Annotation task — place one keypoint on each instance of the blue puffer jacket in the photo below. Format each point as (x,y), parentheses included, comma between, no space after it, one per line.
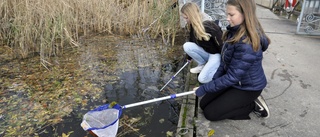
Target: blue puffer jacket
(240,67)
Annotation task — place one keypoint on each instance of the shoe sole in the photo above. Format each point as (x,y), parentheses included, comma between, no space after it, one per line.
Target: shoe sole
(194,72)
(264,105)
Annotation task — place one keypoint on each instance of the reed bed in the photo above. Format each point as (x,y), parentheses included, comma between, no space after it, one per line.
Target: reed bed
(45,27)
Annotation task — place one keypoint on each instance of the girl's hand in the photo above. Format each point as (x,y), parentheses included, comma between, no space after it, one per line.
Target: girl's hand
(194,89)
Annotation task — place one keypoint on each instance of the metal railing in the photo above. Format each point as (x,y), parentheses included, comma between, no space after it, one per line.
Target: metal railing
(309,18)
(215,8)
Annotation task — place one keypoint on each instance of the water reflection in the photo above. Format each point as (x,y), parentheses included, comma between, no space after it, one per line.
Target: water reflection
(141,75)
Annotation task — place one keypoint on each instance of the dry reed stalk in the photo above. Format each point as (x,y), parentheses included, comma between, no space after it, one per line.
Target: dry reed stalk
(72,41)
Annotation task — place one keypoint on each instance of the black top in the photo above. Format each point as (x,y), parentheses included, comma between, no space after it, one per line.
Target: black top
(214,44)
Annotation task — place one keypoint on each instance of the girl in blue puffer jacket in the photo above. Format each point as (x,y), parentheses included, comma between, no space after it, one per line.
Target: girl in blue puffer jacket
(235,90)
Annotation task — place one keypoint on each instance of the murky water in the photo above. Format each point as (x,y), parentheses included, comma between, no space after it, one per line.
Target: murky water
(129,71)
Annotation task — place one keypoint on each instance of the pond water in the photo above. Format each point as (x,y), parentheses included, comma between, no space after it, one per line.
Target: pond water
(129,70)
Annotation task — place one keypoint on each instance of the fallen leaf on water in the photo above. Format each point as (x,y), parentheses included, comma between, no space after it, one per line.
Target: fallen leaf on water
(67,135)
(161,120)
(169,134)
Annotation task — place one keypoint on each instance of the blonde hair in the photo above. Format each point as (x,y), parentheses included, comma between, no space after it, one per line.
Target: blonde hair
(251,27)
(192,11)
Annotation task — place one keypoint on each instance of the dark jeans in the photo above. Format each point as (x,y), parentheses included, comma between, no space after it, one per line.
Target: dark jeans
(228,104)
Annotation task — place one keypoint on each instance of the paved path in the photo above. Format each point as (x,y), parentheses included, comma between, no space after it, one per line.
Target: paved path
(292,66)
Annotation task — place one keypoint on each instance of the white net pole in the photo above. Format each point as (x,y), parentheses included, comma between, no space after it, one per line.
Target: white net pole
(159,99)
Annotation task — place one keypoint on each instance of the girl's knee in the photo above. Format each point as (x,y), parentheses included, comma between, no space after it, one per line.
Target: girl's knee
(210,115)
(204,76)
(203,80)
(188,46)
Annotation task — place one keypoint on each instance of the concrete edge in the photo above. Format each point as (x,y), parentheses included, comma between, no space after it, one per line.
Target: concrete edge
(186,122)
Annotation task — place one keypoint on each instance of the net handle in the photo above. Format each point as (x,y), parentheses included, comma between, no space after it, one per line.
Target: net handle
(175,75)
(172,96)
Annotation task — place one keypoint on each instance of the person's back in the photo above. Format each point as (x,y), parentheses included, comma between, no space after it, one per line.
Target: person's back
(204,45)
(214,44)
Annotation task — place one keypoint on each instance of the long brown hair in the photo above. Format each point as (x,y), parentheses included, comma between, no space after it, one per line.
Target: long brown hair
(192,11)
(251,27)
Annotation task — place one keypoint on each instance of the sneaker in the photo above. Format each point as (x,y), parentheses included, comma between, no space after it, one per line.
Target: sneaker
(288,9)
(196,69)
(261,109)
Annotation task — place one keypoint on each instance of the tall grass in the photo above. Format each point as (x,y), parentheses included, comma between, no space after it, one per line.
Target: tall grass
(45,27)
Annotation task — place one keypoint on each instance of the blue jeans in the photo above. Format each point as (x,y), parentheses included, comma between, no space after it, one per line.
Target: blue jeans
(211,62)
